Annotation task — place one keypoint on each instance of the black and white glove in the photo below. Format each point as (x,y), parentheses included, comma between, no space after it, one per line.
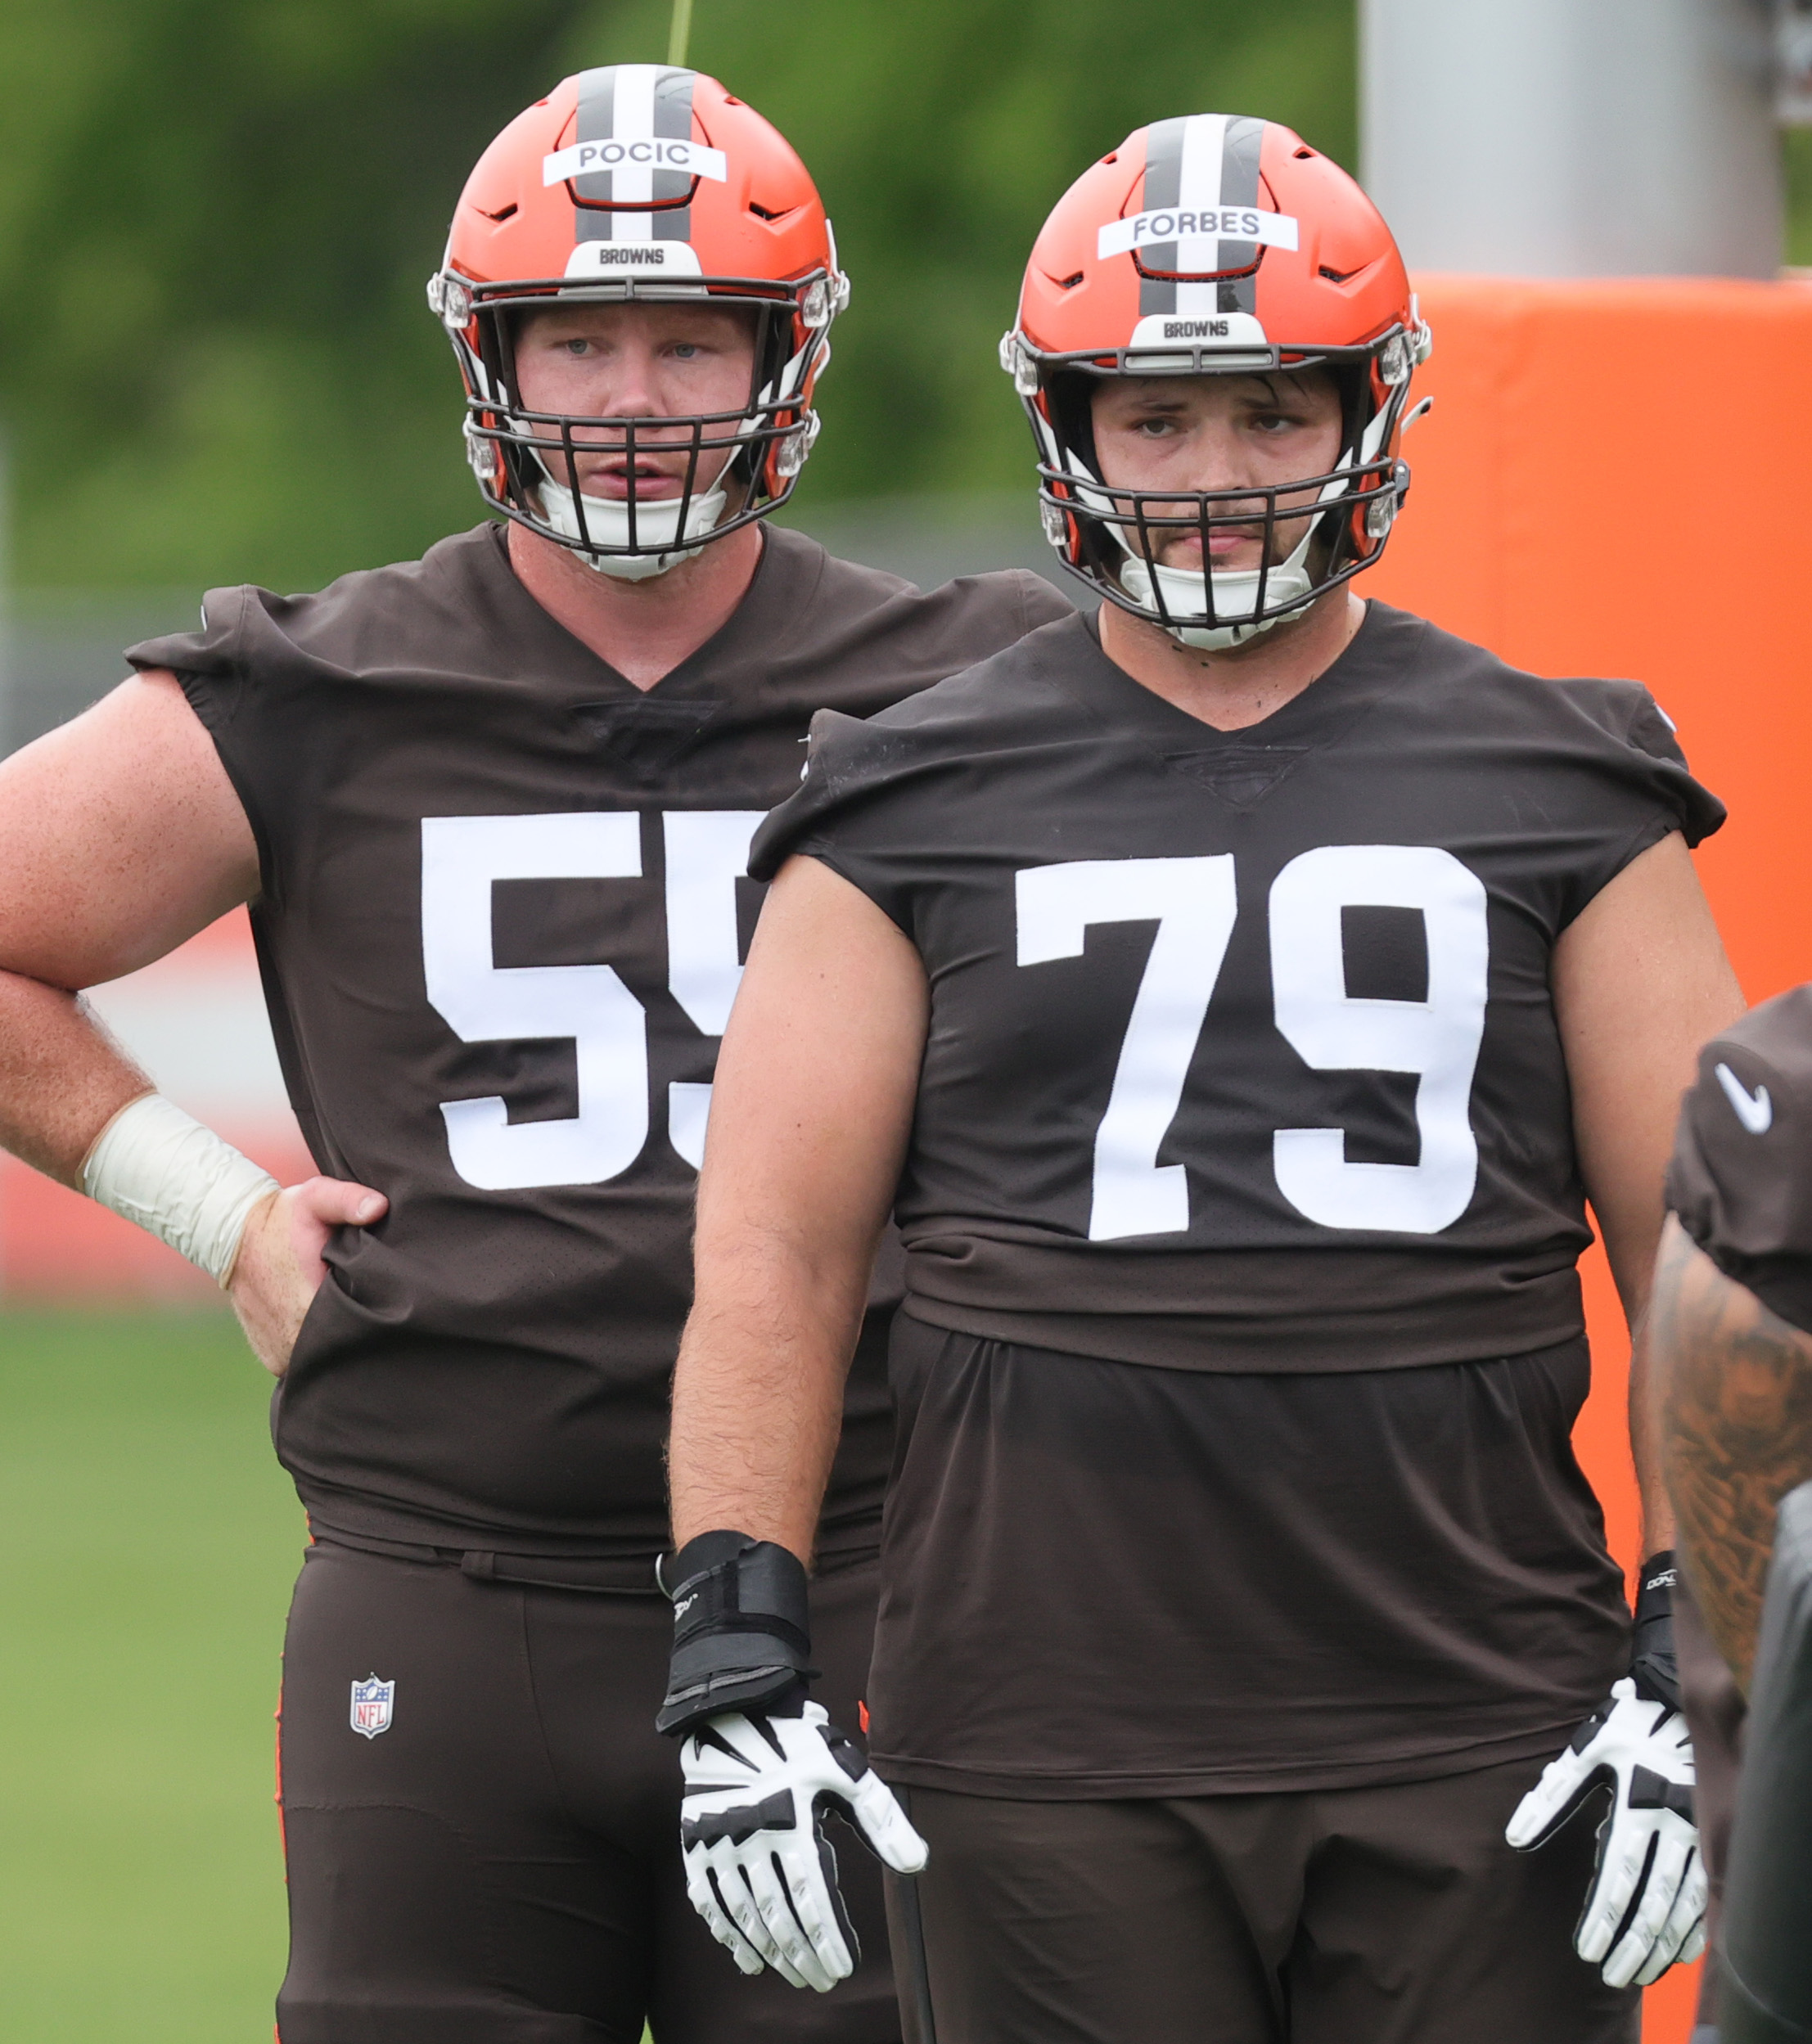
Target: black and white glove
(759,1868)
(762,1774)
(1646,1907)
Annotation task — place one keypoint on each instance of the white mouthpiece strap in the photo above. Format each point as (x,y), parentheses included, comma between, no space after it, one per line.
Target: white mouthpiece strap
(161,1169)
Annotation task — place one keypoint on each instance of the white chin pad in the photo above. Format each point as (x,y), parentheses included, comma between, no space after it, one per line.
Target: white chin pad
(1185,610)
(660,543)
(1236,598)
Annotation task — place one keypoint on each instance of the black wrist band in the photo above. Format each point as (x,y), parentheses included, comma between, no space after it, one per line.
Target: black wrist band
(1653,1665)
(741,1628)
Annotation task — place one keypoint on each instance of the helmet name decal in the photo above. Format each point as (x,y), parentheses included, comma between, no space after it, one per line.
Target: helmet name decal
(1240,328)
(624,259)
(1243,224)
(636,121)
(656,152)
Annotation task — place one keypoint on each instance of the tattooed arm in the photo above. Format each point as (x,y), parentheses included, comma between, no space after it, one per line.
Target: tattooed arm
(1734,1383)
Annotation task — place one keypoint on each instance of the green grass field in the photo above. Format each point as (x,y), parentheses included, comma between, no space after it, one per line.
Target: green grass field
(147,1544)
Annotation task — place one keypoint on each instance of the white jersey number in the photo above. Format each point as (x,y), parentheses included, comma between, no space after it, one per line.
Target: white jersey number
(1192,901)
(1437,1038)
(587,1006)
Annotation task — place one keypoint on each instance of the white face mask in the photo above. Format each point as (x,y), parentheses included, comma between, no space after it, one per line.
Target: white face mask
(656,529)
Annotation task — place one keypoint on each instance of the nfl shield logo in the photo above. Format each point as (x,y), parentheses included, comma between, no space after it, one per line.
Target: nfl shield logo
(372,1702)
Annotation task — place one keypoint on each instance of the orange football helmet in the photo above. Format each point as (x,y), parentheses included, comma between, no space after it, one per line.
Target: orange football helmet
(1215,245)
(640,182)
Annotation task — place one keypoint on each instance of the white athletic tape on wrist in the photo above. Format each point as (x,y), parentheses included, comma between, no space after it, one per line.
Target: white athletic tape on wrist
(160,1169)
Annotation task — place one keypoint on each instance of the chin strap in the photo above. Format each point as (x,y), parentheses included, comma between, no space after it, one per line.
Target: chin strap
(660,542)
(1230,596)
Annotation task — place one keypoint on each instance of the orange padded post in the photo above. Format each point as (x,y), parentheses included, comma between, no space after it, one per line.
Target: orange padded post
(1616,479)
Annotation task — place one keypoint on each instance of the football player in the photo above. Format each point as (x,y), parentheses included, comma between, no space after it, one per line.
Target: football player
(1238,1000)
(492,810)
(1731,1330)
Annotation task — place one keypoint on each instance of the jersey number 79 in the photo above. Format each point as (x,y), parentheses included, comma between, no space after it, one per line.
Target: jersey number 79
(1193,903)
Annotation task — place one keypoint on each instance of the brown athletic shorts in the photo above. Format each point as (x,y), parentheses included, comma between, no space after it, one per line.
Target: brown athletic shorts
(1386,1916)
(499,1861)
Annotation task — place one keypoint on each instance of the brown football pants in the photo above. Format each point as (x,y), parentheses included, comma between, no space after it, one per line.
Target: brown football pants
(1386,1916)
(501,1865)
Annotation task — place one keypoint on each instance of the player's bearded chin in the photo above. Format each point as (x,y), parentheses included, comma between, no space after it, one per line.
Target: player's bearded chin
(1210,601)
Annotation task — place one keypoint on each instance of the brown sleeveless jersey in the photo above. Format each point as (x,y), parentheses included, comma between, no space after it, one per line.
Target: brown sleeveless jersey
(1241,1345)
(504,906)
(1242,1052)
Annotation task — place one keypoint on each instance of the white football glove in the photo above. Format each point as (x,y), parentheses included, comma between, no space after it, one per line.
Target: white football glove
(758,1868)
(1650,1869)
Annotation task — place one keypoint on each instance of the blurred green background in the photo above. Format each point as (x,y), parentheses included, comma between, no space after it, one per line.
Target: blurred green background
(150,1540)
(216,219)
